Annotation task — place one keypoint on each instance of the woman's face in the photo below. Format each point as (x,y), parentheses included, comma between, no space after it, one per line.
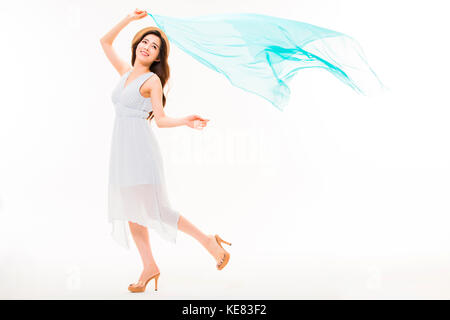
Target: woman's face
(148,49)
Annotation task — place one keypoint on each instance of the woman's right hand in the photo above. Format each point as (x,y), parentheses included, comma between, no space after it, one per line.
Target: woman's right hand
(137,14)
(195,121)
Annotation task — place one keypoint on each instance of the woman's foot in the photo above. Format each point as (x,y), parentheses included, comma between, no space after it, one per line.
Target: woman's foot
(215,250)
(148,272)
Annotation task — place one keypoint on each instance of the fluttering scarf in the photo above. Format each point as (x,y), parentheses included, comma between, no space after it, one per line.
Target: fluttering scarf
(261,54)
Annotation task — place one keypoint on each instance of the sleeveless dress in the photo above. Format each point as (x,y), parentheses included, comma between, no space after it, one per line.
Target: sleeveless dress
(136,188)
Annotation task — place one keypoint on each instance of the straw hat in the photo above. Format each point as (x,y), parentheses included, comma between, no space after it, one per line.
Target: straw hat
(141,33)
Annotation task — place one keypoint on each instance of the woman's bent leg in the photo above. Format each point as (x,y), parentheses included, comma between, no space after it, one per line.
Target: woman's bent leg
(187,227)
(207,241)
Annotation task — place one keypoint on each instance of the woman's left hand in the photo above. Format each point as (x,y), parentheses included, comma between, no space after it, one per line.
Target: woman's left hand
(196,122)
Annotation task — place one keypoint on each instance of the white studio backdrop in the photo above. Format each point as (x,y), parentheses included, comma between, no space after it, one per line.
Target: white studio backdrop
(340,196)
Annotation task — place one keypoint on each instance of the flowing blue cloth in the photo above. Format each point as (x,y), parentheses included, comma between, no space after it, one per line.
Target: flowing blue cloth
(261,54)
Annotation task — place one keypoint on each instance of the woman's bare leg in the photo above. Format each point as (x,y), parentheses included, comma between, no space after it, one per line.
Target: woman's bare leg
(207,241)
(141,238)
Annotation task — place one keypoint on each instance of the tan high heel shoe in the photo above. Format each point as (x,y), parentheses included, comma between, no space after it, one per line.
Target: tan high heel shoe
(227,255)
(141,288)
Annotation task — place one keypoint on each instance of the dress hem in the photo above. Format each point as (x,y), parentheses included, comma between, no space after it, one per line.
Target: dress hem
(151,227)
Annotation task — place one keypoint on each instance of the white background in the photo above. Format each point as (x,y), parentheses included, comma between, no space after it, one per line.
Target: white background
(337,197)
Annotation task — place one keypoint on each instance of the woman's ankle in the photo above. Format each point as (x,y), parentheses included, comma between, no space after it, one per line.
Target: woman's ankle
(151,266)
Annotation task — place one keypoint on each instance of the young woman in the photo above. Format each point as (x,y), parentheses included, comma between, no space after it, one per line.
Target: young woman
(137,197)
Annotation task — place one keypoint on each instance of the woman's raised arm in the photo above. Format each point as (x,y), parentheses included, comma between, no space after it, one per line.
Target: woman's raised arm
(107,40)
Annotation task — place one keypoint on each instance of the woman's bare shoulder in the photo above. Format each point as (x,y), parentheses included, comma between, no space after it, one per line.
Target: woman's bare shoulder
(154,80)
(151,82)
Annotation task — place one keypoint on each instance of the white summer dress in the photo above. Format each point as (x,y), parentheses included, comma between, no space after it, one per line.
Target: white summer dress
(137,188)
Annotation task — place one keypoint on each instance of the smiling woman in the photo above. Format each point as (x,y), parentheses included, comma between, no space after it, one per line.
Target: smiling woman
(137,192)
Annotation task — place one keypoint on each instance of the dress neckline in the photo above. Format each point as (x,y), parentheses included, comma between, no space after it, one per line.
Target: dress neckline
(125,85)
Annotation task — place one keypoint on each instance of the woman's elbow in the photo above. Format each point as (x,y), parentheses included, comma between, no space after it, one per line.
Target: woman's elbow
(158,122)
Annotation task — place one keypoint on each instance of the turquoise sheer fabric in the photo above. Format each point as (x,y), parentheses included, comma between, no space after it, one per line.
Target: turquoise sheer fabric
(261,54)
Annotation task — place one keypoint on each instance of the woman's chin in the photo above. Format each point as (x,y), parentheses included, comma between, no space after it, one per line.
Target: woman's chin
(144,61)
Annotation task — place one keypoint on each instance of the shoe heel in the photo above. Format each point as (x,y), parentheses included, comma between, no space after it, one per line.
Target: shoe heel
(221,240)
(156,283)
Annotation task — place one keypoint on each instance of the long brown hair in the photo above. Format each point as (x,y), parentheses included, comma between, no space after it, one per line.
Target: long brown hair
(161,67)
